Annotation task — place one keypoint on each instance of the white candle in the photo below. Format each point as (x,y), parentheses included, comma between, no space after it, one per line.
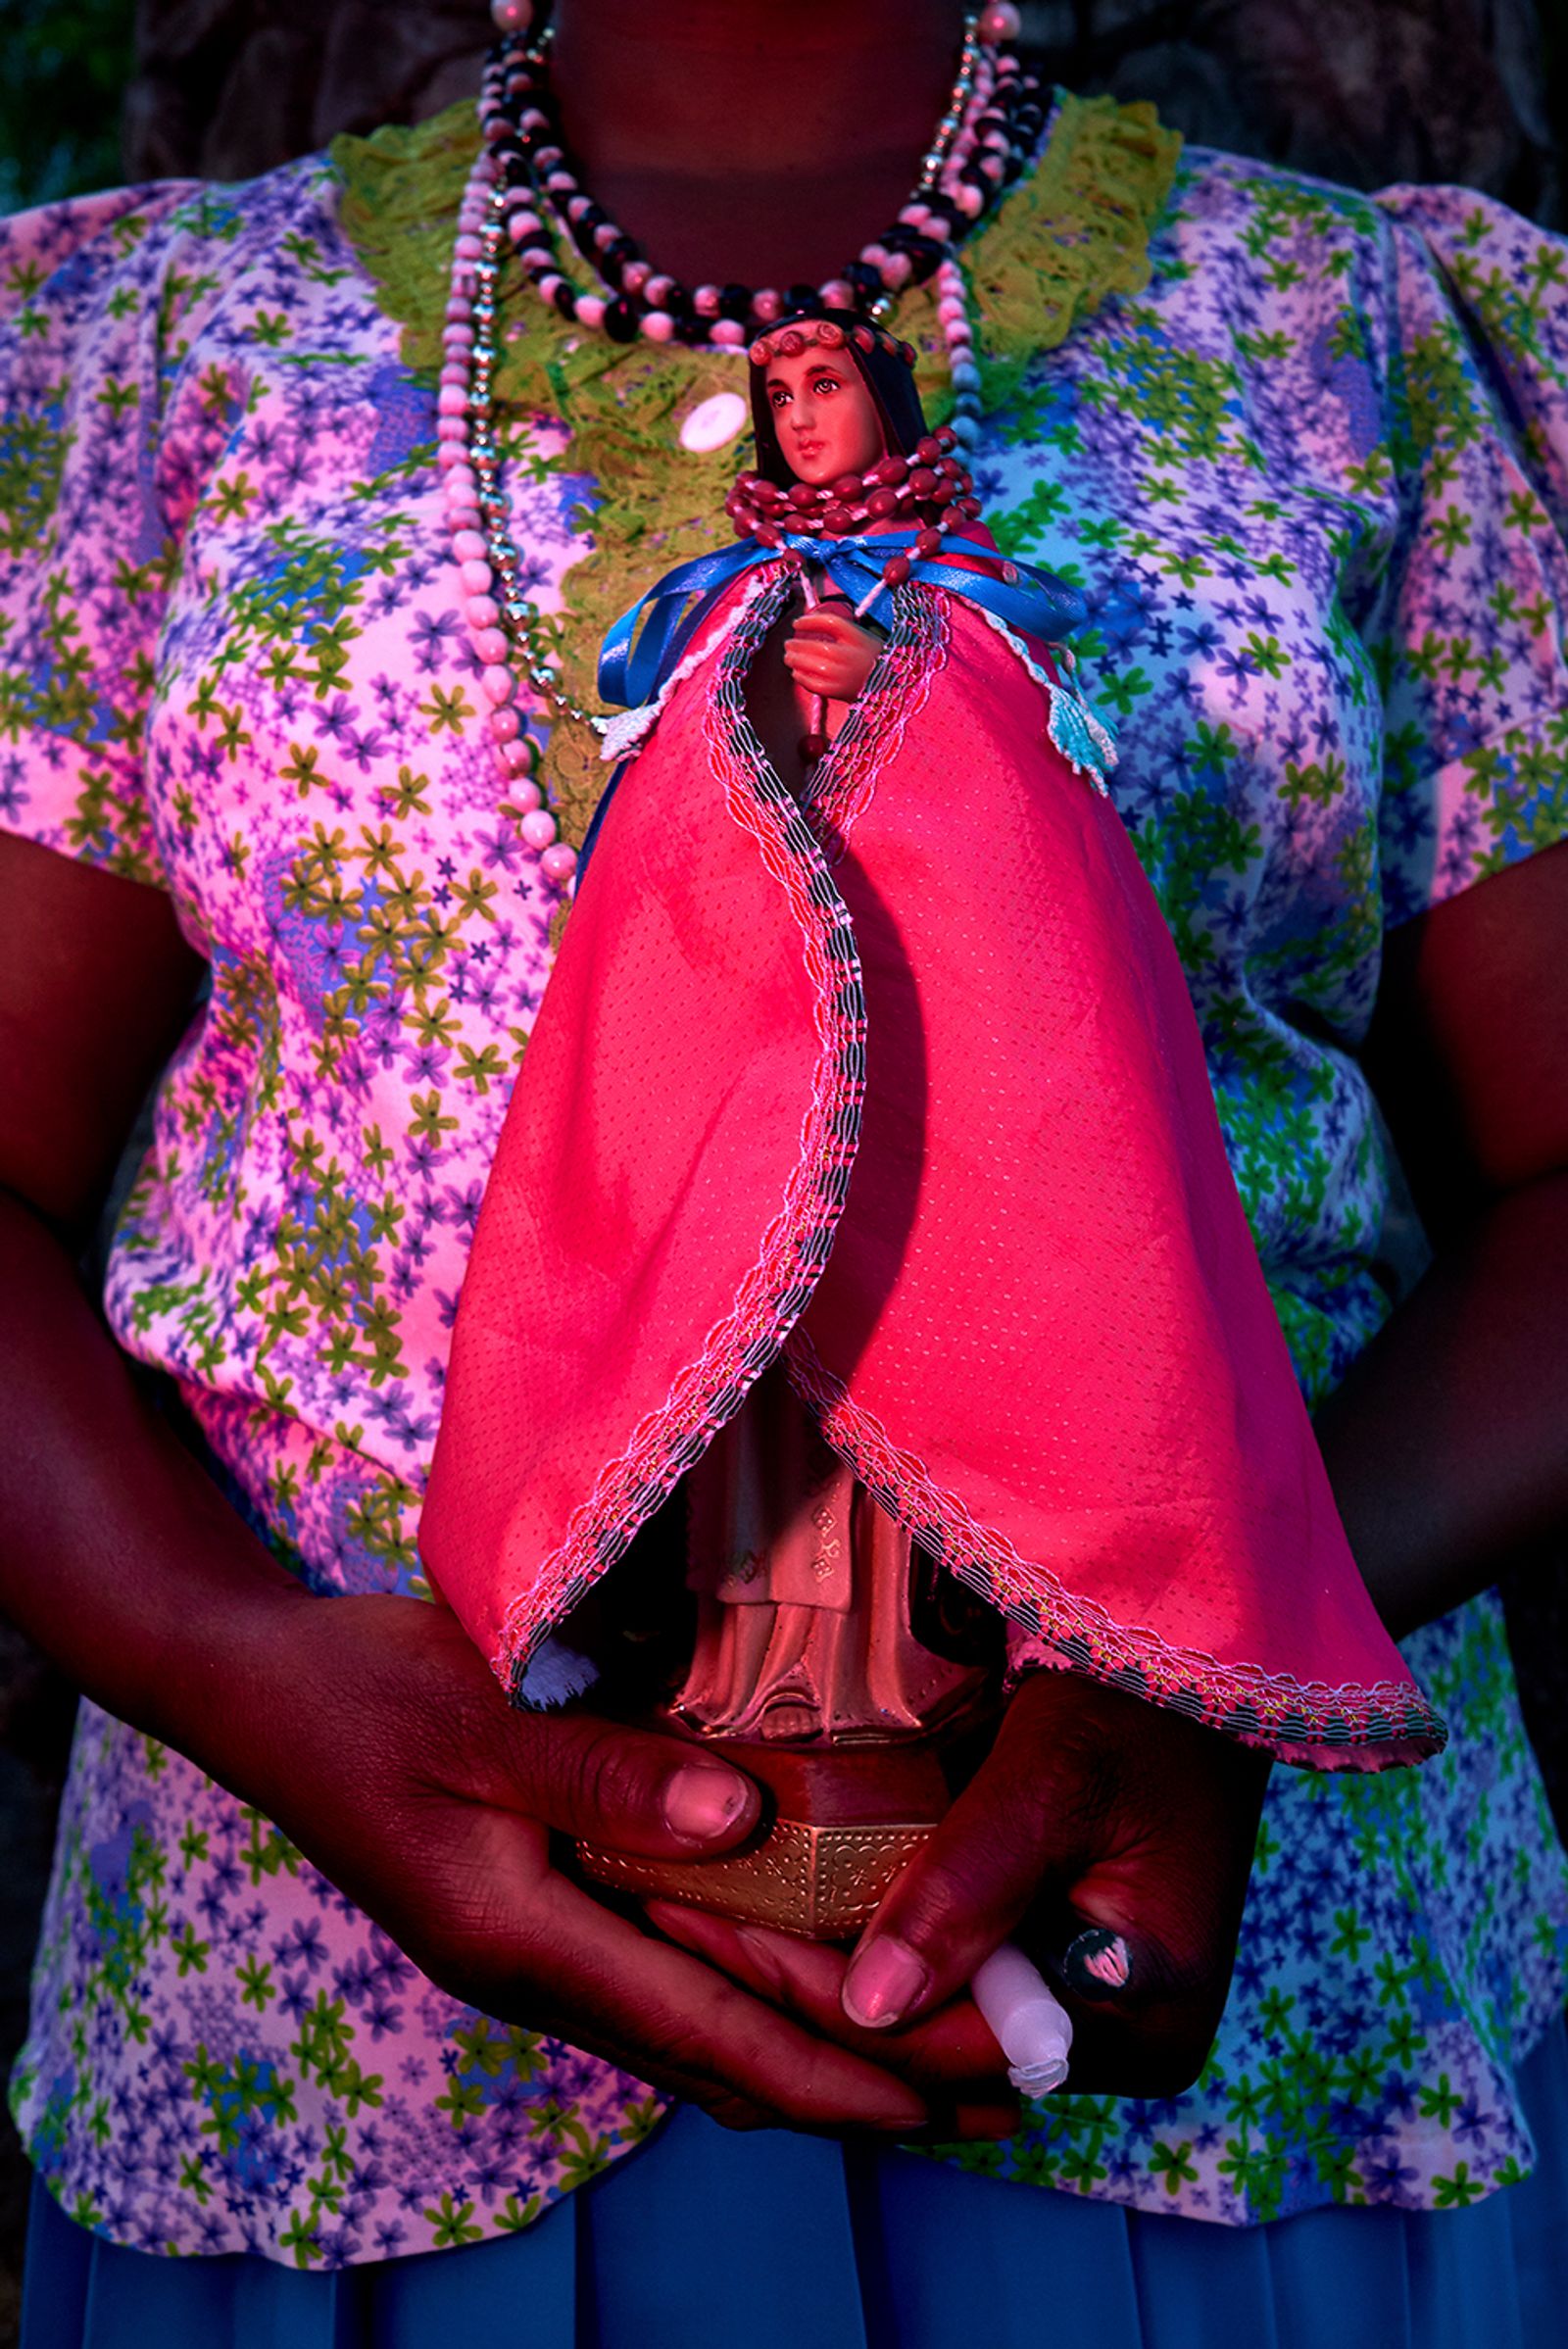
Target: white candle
(1031,2026)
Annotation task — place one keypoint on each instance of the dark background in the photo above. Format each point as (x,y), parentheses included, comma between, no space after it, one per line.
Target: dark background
(1366,91)
(93,92)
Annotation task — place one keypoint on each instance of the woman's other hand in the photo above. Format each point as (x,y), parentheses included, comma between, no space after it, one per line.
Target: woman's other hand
(380,1743)
(830,654)
(368,1728)
(1092,1809)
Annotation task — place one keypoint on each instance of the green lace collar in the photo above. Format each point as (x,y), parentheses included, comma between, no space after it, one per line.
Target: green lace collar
(1074,233)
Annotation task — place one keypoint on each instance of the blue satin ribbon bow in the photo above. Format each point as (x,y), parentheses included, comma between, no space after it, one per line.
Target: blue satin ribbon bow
(646,642)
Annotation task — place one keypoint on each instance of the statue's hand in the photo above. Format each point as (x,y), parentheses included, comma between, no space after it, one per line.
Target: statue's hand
(1092,1809)
(830,654)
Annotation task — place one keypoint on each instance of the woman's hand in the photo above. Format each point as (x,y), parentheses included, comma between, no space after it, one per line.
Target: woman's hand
(1092,1809)
(375,1735)
(370,1729)
(830,654)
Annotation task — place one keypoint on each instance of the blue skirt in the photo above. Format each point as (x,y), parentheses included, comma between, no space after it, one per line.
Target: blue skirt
(709,2240)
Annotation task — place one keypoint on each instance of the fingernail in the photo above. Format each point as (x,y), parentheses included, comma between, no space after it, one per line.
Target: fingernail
(884,1981)
(702,1803)
(764,1956)
(901,2119)
(1098,1963)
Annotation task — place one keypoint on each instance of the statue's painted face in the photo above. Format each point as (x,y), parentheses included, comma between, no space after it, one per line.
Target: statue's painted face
(826,418)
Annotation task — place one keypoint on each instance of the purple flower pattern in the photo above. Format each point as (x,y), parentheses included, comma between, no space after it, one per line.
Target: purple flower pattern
(1312,481)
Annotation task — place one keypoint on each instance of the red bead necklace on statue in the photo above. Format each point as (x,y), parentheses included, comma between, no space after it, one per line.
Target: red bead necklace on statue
(927,490)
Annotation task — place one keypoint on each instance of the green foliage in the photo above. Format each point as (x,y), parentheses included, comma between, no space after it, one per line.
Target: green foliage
(66,69)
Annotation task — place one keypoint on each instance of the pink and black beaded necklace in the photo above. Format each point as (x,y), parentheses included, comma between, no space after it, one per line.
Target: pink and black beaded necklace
(525,191)
(988,132)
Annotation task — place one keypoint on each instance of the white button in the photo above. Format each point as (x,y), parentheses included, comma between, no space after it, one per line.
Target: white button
(713,422)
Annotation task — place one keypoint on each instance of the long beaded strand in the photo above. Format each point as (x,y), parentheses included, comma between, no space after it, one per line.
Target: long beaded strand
(495,607)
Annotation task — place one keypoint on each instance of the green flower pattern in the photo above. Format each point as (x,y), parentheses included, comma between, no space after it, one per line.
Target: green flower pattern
(1311,480)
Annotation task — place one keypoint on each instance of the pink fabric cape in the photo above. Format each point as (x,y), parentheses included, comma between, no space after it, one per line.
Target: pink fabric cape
(909,1084)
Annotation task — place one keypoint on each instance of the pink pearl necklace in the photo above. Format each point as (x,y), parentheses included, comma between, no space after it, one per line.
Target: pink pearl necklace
(498,613)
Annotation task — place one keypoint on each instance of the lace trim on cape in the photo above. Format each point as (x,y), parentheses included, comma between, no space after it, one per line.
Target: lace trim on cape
(1083,740)
(731,1356)
(844,784)
(629,729)
(1358,1727)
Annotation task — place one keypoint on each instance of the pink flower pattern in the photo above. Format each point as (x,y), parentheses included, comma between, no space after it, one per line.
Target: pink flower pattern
(1318,524)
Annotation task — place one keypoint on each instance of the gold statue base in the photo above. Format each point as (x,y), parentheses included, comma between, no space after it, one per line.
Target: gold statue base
(838,1824)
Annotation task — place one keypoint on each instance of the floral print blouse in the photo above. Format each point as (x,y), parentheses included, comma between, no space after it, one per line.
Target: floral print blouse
(1309,465)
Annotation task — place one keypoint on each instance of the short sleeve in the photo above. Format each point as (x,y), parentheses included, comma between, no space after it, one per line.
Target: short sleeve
(1468,629)
(85,549)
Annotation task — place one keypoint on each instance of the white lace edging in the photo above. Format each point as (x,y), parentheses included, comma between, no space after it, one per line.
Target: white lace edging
(628,728)
(1081,737)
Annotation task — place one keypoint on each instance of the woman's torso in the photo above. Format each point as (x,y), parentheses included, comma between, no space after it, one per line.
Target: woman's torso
(223,2053)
